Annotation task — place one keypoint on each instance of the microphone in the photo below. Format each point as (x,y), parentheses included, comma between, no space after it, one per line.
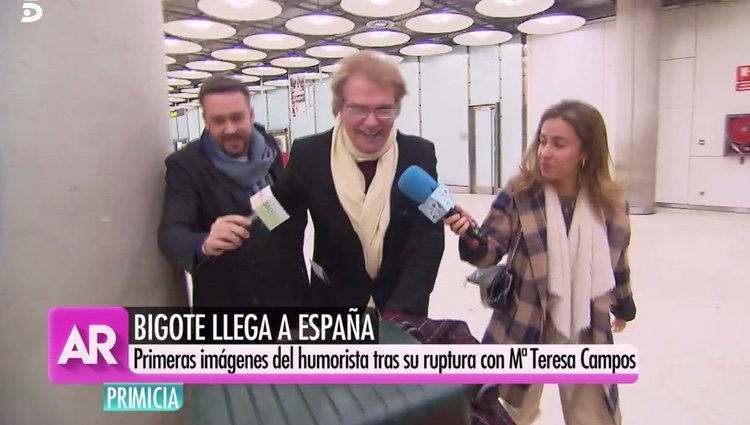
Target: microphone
(434,199)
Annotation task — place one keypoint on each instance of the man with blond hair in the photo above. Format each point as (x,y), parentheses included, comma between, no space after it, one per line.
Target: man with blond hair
(373,244)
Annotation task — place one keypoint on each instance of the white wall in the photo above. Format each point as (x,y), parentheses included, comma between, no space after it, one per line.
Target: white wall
(445,117)
(409,118)
(573,65)
(511,108)
(701,47)
(324,118)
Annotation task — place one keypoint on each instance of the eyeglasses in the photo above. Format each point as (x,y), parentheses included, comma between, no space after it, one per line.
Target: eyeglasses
(380,113)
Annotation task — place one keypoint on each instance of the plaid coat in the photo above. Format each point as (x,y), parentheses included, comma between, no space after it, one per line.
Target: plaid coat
(523,322)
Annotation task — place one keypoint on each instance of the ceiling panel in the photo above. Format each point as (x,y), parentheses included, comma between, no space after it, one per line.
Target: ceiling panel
(187,9)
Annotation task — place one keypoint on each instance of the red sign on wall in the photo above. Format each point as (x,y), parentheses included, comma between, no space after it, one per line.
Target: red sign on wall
(743,78)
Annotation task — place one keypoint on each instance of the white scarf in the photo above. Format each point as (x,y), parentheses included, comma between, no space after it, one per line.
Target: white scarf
(370,212)
(579,264)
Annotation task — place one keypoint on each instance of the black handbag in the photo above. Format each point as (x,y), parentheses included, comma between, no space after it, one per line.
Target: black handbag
(496,282)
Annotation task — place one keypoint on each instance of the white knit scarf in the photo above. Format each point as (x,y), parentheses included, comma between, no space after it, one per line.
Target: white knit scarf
(579,264)
(370,212)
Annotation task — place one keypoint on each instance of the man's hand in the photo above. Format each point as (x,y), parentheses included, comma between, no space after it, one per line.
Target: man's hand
(227,233)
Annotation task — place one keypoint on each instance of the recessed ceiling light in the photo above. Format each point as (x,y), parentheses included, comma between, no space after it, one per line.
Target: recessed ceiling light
(379,8)
(319,25)
(391,58)
(240,10)
(202,29)
(272,41)
(551,24)
(295,62)
(277,83)
(264,71)
(239,54)
(168,60)
(177,82)
(246,78)
(259,88)
(512,8)
(211,65)
(174,46)
(380,38)
(311,75)
(482,38)
(425,49)
(188,74)
(331,51)
(439,23)
(330,68)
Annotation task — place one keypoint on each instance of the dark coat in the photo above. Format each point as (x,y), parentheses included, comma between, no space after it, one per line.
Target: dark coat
(267,270)
(524,319)
(413,245)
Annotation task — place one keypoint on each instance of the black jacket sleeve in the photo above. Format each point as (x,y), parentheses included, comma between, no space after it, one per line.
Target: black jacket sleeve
(424,251)
(179,231)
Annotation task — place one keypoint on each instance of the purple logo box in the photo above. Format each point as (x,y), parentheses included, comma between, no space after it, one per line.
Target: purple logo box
(62,320)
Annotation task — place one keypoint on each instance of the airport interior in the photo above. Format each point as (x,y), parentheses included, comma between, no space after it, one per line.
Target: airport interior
(97,93)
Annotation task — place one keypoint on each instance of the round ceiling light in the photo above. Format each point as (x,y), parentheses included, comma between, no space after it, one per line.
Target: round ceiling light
(264,71)
(211,65)
(174,46)
(482,38)
(380,38)
(239,54)
(185,95)
(295,62)
(330,68)
(188,74)
(192,91)
(551,24)
(391,58)
(379,8)
(439,23)
(277,83)
(319,25)
(177,82)
(512,8)
(425,49)
(246,78)
(168,60)
(259,88)
(331,51)
(311,75)
(201,29)
(271,41)
(240,10)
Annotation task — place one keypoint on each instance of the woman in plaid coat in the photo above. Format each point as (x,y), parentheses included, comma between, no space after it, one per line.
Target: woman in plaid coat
(568,223)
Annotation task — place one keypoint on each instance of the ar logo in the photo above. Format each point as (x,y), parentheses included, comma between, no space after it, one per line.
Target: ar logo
(32,12)
(75,347)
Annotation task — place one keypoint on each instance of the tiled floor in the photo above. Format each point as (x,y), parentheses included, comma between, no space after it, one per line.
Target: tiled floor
(691,279)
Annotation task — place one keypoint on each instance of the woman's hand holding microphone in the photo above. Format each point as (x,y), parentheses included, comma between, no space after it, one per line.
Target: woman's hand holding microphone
(459,223)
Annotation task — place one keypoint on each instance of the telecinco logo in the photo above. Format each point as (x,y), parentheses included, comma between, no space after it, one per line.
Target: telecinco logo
(32,12)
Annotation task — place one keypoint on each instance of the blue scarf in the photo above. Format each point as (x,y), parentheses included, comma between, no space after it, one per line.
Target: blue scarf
(250,172)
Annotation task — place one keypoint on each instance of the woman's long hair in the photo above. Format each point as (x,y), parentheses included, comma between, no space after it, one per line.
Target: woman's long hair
(594,174)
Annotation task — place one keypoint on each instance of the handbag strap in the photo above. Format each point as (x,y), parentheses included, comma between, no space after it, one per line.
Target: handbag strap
(517,241)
